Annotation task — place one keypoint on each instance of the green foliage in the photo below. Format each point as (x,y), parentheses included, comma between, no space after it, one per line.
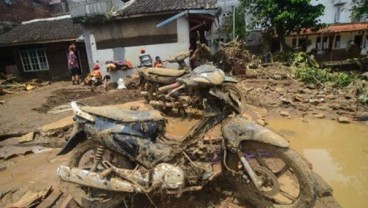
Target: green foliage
(319,76)
(360,9)
(363,99)
(284,16)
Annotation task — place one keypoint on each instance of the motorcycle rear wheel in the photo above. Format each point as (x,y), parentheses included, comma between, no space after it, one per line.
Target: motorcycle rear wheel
(88,197)
(287,179)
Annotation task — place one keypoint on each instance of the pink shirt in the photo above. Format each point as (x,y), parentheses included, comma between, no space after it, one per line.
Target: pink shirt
(72,60)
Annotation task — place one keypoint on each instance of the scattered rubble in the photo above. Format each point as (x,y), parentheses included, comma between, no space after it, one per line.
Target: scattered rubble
(342,119)
(286,96)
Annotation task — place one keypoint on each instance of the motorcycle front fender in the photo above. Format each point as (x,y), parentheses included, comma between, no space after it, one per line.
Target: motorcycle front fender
(237,130)
(75,138)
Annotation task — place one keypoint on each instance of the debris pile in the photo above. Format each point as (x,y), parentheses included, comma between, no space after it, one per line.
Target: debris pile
(233,57)
(9,85)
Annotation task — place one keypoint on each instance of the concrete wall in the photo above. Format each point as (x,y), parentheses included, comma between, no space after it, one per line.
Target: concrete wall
(120,53)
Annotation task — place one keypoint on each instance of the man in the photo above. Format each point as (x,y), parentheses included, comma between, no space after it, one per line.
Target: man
(201,55)
(145,59)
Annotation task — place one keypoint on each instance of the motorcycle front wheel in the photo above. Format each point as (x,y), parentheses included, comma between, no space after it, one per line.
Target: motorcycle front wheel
(87,197)
(286,179)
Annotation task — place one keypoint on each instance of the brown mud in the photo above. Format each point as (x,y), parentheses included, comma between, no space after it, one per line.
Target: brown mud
(272,89)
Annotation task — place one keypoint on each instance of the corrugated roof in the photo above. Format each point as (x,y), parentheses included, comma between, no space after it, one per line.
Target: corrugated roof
(42,30)
(150,6)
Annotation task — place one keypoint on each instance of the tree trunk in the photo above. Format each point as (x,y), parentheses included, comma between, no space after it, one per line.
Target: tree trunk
(281,36)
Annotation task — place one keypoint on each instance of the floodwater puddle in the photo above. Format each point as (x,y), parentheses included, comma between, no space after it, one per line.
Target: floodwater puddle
(338,152)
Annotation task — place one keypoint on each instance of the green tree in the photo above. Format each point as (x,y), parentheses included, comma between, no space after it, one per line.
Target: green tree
(226,28)
(283,16)
(360,9)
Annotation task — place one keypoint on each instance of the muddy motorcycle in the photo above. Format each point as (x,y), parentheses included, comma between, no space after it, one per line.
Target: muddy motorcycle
(156,88)
(119,151)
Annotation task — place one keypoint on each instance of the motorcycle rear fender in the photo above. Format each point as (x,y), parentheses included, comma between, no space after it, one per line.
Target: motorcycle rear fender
(230,80)
(237,130)
(75,138)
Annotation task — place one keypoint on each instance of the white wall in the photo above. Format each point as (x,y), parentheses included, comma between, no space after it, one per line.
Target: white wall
(330,10)
(345,39)
(132,53)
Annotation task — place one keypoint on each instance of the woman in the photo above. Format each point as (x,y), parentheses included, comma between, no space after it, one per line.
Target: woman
(73,64)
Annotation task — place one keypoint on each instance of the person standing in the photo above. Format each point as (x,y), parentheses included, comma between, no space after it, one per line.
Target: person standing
(73,64)
(145,59)
(201,55)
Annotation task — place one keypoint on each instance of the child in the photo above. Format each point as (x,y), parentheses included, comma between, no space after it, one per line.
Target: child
(158,62)
(94,77)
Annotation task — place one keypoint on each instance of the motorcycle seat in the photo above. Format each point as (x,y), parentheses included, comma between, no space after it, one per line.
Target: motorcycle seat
(166,72)
(123,114)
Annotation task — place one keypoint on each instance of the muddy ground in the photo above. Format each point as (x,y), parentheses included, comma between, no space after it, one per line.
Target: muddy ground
(274,90)
(26,111)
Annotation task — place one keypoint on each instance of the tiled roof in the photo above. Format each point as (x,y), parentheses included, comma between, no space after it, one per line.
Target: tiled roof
(44,30)
(153,6)
(336,28)
(346,27)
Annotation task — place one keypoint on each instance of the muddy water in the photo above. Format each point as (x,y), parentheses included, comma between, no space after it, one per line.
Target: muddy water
(339,153)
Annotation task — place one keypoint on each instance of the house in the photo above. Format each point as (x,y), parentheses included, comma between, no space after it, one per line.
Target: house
(117,30)
(39,48)
(342,38)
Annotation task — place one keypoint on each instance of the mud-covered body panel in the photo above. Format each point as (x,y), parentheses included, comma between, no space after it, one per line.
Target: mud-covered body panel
(237,130)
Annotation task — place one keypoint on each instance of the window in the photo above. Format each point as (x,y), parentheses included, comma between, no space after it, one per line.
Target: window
(338,9)
(9,2)
(337,41)
(324,43)
(318,43)
(34,60)
(293,43)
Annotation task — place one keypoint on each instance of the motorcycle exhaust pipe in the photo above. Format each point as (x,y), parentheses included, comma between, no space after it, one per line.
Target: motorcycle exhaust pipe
(164,104)
(95,180)
(168,87)
(144,93)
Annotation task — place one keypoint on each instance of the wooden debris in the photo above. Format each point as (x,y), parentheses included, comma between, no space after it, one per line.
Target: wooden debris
(26,138)
(29,199)
(50,200)
(13,151)
(66,202)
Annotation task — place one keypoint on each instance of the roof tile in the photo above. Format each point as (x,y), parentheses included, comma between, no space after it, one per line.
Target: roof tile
(149,6)
(42,30)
